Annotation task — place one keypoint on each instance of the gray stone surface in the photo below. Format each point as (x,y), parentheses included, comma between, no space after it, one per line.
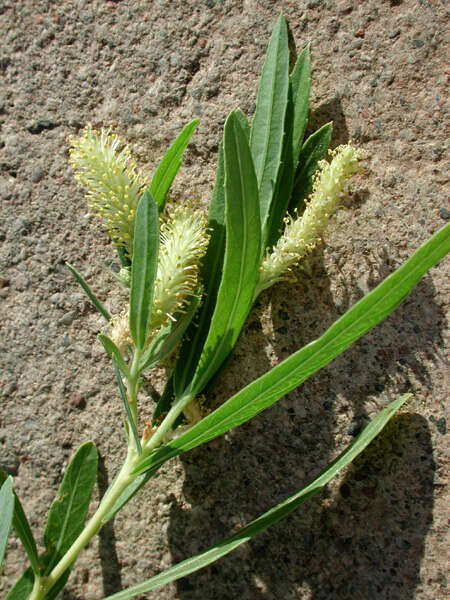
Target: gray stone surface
(379,72)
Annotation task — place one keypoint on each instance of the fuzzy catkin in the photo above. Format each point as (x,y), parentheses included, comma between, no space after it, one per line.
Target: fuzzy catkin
(183,243)
(114,184)
(301,235)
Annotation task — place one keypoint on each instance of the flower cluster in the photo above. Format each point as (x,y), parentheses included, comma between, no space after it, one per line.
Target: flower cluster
(301,234)
(106,168)
(183,242)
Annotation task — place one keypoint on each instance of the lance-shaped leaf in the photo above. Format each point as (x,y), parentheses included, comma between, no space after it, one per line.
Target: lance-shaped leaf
(313,150)
(242,251)
(114,353)
(22,527)
(144,268)
(266,139)
(283,187)
(90,294)
(290,373)
(6,514)
(243,122)
(68,511)
(294,127)
(270,517)
(211,274)
(170,335)
(123,395)
(299,80)
(168,167)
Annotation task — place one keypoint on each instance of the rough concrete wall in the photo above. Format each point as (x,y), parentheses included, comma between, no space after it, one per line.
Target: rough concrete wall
(379,73)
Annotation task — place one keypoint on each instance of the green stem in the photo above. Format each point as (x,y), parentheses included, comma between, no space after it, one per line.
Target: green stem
(36,586)
(122,481)
(173,414)
(133,386)
(124,478)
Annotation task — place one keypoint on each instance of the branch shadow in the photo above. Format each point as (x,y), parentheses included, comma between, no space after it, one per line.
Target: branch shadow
(342,544)
(110,564)
(324,113)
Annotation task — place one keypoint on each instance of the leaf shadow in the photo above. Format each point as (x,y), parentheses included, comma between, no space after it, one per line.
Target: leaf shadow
(237,477)
(324,113)
(110,564)
(366,539)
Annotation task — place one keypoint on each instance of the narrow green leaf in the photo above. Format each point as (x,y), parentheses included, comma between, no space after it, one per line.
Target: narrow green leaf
(211,274)
(144,268)
(169,336)
(313,150)
(68,511)
(114,353)
(123,395)
(283,187)
(168,167)
(294,127)
(22,527)
(6,514)
(90,294)
(270,517)
(290,373)
(242,253)
(300,85)
(23,587)
(266,139)
(243,122)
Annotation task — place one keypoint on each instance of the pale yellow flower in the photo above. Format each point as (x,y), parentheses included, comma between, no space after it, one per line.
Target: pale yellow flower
(120,332)
(114,185)
(301,234)
(183,242)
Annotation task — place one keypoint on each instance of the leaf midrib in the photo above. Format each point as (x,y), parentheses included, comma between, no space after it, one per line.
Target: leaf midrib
(241,270)
(203,316)
(268,129)
(69,508)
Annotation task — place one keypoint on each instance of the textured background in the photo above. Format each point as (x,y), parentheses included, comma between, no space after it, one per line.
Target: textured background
(147,68)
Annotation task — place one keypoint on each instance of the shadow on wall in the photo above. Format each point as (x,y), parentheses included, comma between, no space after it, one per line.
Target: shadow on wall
(329,111)
(110,564)
(366,541)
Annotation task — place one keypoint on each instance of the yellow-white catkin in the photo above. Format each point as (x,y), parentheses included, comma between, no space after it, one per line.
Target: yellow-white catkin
(106,168)
(120,331)
(183,243)
(301,235)
(184,240)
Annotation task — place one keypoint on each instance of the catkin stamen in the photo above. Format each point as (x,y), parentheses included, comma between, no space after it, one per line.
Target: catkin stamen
(183,242)
(104,166)
(302,234)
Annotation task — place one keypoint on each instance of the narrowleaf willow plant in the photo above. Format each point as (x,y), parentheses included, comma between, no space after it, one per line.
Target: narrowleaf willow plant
(273,197)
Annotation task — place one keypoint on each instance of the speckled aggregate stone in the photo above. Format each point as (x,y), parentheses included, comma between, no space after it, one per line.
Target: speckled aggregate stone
(147,68)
